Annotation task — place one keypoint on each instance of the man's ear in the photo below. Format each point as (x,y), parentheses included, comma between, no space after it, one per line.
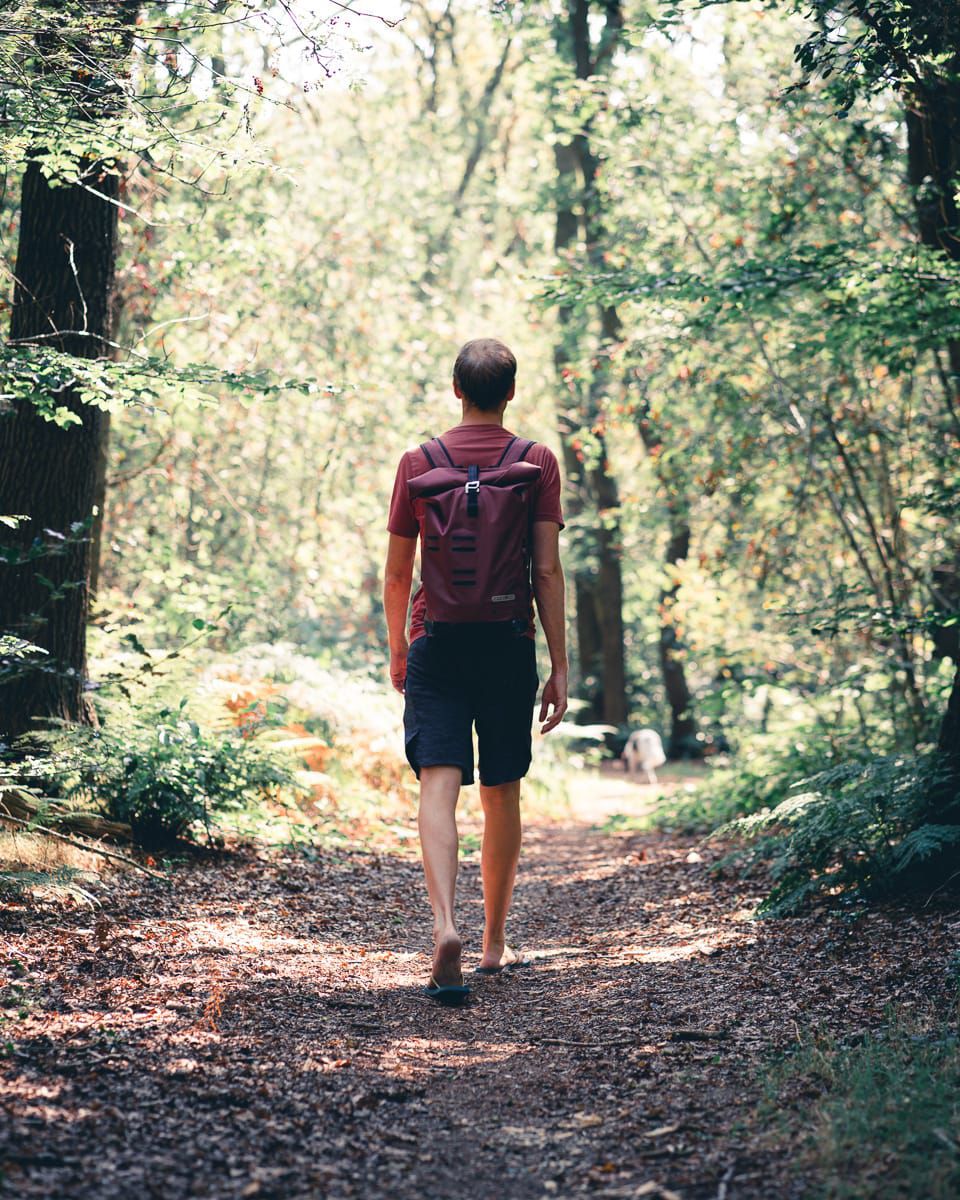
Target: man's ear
(456,390)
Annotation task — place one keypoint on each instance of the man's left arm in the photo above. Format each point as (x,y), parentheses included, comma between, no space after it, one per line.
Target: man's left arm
(397,578)
(548,591)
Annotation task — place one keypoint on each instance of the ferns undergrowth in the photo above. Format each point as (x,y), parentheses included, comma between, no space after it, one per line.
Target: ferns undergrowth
(875,827)
(156,770)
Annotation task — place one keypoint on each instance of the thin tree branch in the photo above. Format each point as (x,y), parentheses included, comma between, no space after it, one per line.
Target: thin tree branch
(91,849)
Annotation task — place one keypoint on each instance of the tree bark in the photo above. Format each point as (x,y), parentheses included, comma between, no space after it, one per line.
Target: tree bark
(933,171)
(63,298)
(949,741)
(682,742)
(64,281)
(599,587)
(589,656)
(99,504)
(589,638)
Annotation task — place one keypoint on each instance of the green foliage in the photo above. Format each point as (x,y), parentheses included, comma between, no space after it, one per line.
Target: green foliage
(858,49)
(39,374)
(880,1118)
(759,779)
(774,379)
(332,264)
(18,655)
(890,304)
(870,827)
(862,48)
(89,81)
(159,771)
(15,651)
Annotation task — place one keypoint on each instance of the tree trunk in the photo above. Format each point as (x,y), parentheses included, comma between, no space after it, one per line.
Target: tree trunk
(682,742)
(933,168)
(599,588)
(933,161)
(62,299)
(949,741)
(64,281)
(608,595)
(589,638)
(99,504)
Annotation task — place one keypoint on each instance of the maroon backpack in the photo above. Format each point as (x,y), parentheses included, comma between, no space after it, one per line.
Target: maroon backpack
(475,535)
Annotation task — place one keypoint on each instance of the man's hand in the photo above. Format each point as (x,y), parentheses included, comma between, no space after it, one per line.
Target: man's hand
(555,694)
(398,667)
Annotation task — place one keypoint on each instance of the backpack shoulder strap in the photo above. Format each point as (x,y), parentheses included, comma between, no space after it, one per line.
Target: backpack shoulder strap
(424,446)
(516,451)
(446,452)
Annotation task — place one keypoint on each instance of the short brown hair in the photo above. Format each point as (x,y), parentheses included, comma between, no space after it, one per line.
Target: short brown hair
(485,372)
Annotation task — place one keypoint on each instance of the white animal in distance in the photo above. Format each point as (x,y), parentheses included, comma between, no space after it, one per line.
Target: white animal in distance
(643,753)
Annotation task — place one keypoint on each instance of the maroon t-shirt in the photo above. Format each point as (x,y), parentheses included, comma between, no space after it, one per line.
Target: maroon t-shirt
(481,445)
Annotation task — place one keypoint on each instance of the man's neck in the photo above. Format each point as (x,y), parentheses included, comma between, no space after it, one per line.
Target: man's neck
(475,416)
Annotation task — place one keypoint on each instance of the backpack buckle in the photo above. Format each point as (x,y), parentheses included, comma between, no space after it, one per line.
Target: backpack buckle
(472,488)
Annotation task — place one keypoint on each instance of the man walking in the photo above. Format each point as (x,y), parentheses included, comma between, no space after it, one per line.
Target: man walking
(478,498)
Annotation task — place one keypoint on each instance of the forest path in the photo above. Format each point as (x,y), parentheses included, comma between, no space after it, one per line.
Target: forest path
(259,1029)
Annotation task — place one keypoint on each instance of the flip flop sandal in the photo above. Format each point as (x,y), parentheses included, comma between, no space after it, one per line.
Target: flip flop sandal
(510,966)
(449,994)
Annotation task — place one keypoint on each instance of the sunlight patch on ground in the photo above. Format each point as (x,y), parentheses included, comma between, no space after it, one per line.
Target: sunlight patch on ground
(666,941)
(675,953)
(433,1052)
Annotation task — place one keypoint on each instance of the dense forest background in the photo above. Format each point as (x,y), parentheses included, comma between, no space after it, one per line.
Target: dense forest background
(720,238)
(242,244)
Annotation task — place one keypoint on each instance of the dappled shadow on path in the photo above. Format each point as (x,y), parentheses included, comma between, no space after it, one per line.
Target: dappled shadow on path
(261,1030)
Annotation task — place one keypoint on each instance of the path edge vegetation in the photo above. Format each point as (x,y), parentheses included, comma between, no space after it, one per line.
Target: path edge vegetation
(80,68)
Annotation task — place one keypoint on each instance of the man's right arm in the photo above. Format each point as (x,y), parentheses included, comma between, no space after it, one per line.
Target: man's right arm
(548,590)
(397,577)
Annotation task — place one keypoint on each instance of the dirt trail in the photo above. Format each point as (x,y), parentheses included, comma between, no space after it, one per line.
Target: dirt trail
(259,1029)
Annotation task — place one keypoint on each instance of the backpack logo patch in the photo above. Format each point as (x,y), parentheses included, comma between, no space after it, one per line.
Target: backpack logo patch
(501,599)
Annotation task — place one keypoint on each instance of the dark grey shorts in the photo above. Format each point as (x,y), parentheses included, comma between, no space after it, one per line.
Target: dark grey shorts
(456,680)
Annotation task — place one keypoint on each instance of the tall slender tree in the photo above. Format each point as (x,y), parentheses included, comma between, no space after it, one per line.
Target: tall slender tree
(63,299)
(598,578)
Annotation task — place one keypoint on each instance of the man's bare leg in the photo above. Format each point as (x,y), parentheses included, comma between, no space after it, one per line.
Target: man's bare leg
(498,868)
(439,843)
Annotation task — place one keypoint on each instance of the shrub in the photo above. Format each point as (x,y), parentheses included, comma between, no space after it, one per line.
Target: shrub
(763,777)
(161,773)
(870,827)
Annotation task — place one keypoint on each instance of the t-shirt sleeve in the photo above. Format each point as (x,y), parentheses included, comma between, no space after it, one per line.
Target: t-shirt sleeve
(548,507)
(401,520)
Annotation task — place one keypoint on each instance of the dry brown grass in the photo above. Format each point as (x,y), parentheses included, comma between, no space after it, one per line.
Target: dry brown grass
(25,851)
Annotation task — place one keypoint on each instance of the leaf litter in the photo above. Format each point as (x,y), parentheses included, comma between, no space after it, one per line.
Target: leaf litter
(259,1030)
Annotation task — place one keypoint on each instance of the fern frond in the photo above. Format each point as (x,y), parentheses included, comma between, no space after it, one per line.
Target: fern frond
(925,842)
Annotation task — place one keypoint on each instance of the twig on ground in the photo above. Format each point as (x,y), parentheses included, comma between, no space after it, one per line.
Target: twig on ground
(943,885)
(725,1182)
(564,1042)
(947,1140)
(698,1035)
(62,837)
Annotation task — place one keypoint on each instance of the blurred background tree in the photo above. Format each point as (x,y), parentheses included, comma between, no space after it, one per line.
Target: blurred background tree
(721,240)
